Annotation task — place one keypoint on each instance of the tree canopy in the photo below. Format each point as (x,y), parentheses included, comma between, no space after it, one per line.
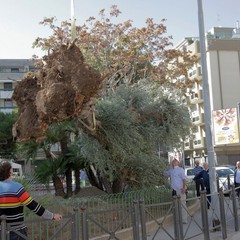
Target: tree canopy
(6,138)
(123,53)
(132,123)
(137,106)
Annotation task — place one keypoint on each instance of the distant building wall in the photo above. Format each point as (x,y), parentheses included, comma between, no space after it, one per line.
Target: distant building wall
(223,63)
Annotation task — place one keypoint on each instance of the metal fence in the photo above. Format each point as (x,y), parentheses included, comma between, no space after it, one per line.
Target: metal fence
(146,215)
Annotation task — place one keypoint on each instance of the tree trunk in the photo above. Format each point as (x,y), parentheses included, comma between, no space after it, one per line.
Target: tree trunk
(107,185)
(93,179)
(77,181)
(58,185)
(64,148)
(117,186)
(68,175)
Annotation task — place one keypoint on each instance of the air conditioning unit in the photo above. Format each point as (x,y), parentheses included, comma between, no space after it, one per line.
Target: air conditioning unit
(196,119)
(194,96)
(199,142)
(199,71)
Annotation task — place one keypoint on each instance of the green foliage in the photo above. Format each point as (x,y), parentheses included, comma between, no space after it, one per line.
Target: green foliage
(7,120)
(133,120)
(27,181)
(50,168)
(132,124)
(56,131)
(6,138)
(28,149)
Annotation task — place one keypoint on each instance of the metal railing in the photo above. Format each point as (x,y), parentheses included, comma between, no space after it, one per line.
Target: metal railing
(151,214)
(45,229)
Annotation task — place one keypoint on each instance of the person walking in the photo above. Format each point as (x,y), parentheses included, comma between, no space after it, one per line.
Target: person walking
(13,198)
(237,179)
(83,177)
(178,185)
(204,174)
(199,182)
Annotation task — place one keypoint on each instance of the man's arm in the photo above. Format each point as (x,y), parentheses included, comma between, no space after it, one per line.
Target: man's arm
(37,208)
(184,186)
(167,173)
(198,176)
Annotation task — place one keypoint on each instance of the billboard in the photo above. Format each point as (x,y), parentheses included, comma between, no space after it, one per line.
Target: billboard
(225,124)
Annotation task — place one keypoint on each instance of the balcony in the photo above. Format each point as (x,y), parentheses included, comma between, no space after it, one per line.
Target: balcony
(7,109)
(196,97)
(6,93)
(188,145)
(198,120)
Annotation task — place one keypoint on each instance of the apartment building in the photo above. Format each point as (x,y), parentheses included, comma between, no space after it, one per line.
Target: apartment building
(223,63)
(11,71)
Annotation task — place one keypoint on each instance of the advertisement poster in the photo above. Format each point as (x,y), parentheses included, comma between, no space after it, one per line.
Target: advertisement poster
(225,123)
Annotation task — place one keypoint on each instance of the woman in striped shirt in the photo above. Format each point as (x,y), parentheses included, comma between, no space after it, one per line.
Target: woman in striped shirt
(13,197)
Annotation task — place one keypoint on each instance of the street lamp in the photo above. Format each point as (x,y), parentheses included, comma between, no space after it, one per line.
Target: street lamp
(73,20)
(206,99)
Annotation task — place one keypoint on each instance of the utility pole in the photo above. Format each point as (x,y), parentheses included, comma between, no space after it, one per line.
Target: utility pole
(207,106)
(73,21)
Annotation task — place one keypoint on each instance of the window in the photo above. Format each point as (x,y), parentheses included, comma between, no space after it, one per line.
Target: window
(8,103)
(195,119)
(32,69)
(14,70)
(7,85)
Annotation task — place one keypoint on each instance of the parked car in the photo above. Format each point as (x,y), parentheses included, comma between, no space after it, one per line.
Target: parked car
(189,173)
(229,166)
(222,173)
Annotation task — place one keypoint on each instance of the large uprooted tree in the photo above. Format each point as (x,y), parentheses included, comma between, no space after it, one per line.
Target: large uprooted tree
(64,87)
(103,57)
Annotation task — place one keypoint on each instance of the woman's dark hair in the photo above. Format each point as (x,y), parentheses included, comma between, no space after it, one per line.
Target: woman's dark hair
(5,168)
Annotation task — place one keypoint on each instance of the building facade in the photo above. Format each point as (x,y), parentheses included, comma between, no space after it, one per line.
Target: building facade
(11,71)
(223,63)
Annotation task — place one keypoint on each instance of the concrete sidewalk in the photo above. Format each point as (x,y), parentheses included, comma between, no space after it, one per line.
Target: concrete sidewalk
(235,236)
(193,229)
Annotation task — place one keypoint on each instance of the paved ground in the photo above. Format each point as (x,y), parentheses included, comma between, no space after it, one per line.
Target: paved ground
(192,230)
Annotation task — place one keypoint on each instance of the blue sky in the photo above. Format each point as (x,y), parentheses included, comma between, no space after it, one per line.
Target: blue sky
(19,19)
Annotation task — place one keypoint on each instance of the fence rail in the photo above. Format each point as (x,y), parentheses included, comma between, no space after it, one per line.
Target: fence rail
(150,214)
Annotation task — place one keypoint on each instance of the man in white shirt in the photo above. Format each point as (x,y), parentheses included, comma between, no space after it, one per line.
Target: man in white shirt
(178,185)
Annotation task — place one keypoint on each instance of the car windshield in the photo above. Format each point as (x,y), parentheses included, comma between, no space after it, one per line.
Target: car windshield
(190,172)
(224,172)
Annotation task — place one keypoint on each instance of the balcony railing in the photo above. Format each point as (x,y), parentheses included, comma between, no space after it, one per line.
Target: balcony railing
(7,109)
(6,93)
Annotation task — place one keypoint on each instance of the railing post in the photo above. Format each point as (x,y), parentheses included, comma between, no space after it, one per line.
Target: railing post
(222,214)
(143,219)
(177,216)
(235,210)
(75,226)
(217,180)
(3,227)
(135,221)
(180,227)
(229,181)
(204,212)
(84,222)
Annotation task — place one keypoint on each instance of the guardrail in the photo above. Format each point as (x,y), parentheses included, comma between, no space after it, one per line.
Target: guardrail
(138,215)
(45,230)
